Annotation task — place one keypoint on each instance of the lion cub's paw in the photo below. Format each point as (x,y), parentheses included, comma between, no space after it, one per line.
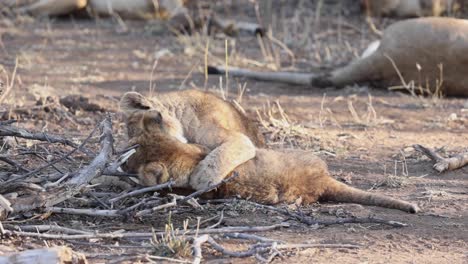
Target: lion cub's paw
(205,175)
(153,173)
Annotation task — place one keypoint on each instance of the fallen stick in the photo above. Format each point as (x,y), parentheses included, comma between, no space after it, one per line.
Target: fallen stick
(89,212)
(9,131)
(209,188)
(79,147)
(46,228)
(143,190)
(77,182)
(44,255)
(97,166)
(250,237)
(159,258)
(173,203)
(7,122)
(233,229)
(197,251)
(442,164)
(338,221)
(256,248)
(13,163)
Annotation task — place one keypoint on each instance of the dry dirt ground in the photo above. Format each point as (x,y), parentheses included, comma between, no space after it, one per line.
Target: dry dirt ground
(364,133)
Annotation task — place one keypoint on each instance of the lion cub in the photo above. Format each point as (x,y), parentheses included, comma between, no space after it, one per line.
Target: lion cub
(273,176)
(201,118)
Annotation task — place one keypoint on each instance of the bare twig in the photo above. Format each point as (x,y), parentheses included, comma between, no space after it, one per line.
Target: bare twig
(143,190)
(310,221)
(234,229)
(250,237)
(173,203)
(98,164)
(13,163)
(47,228)
(75,184)
(90,212)
(221,218)
(66,156)
(7,122)
(210,188)
(256,248)
(5,204)
(6,131)
(197,251)
(442,164)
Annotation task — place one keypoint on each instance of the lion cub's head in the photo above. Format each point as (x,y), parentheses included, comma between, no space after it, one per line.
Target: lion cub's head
(145,115)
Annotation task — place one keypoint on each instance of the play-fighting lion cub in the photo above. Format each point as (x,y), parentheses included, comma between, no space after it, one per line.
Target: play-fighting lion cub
(271,177)
(201,118)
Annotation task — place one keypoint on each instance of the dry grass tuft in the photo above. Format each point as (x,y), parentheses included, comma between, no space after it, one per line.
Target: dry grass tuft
(392,181)
(174,243)
(7,86)
(281,131)
(428,93)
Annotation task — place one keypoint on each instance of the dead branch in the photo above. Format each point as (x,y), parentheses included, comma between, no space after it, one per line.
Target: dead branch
(233,229)
(143,190)
(250,237)
(13,163)
(89,212)
(442,164)
(197,251)
(77,182)
(98,164)
(47,228)
(66,156)
(234,175)
(221,218)
(173,203)
(45,255)
(25,186)
(256,248)
(9,131)
(357,220)
(7,122)
(310,221)
(5,204)
(159,258)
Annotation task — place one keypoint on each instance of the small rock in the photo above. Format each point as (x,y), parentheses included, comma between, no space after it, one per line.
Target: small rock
(453,117)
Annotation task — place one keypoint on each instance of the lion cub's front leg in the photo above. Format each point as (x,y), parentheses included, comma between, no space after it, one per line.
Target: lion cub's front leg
(153,173)
(235,149)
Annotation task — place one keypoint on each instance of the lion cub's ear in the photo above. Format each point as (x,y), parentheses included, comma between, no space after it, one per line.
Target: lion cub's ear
(132,101)
(152,121)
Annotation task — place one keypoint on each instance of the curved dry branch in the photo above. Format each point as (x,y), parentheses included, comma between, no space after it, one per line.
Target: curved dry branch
(442,164)
(77,182)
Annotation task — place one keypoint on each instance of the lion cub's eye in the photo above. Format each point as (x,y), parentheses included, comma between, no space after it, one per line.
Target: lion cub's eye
(158,118)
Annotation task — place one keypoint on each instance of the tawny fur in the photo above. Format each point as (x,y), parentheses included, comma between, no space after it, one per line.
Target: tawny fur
(439,46)
(201,118)
(271,177)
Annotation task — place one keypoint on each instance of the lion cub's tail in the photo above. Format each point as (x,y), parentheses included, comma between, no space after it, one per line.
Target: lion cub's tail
(340,192)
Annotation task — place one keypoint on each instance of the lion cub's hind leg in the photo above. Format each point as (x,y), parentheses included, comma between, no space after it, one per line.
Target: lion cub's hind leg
(153,173)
